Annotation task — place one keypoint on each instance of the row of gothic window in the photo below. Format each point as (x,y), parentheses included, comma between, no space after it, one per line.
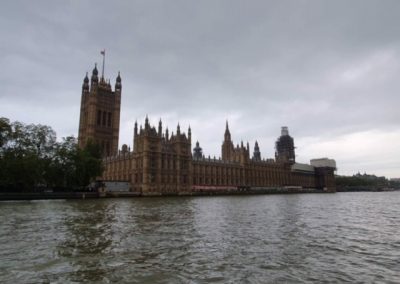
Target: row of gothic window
(104,118)
(105,147)
(164,178)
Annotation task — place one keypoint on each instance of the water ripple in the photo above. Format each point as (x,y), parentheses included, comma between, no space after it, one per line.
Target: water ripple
(343,237)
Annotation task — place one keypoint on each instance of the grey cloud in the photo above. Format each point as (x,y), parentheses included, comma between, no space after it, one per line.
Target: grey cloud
(324,68)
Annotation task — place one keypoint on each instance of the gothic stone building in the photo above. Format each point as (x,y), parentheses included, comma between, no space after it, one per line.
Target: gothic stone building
(160,163)
(100,112)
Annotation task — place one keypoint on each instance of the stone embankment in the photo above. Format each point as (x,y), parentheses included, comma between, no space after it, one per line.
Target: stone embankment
(125,194)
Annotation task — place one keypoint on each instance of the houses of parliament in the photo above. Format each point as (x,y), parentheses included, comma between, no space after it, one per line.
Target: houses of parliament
(161,163)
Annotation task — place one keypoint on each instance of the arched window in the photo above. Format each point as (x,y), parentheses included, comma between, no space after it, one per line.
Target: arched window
(109,120)
(104,118)
(98,117)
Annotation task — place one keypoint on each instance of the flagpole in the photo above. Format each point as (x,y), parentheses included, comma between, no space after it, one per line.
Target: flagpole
(104,56)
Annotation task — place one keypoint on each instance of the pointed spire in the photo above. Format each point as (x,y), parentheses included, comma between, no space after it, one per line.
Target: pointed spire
(227,135)
(146,122)
(178,129)
(86,79)
(135,129)
(256,152)
(160,128)
(95,73)
(118,85)
(85,86)
(166,134)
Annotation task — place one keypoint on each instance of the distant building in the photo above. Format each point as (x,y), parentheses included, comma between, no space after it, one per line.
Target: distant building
(160,163)
(323,162)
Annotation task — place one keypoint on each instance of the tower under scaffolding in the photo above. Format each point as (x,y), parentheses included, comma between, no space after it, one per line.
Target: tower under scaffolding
(284,147)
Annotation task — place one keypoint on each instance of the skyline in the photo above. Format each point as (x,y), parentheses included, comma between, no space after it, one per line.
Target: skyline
(328,71)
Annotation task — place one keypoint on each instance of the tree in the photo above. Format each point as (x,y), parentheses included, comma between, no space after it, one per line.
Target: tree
(5,131)
(62,167)
(88,163)
(23,154)
(30,157)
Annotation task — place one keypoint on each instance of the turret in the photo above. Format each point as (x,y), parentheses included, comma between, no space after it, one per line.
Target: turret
(160,128)
(166,134)
(85,85)
(178,130)
(146,123)
(256,153)
(95,79)
(118,85)
(135,129)
(189,134)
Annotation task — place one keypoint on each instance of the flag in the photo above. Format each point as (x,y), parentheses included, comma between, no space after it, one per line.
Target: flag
(103,52)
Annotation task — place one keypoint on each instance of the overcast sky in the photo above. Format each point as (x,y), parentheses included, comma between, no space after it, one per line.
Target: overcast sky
(329,70)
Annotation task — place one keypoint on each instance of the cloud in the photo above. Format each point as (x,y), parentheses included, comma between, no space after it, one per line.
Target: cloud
(372,150)
(327,70)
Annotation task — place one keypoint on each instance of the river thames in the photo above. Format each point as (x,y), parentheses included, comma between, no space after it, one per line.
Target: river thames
(298,238)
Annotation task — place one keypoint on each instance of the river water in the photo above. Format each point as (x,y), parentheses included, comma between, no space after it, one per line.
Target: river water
(298,238)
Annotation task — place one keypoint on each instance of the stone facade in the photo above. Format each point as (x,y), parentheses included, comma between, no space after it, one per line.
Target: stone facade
(163,164)
(160,164)
(100,113)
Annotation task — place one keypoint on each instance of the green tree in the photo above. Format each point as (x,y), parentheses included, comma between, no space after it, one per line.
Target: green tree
(63,163)
(88,163)
(30,156)
(25,155)
(5,131)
